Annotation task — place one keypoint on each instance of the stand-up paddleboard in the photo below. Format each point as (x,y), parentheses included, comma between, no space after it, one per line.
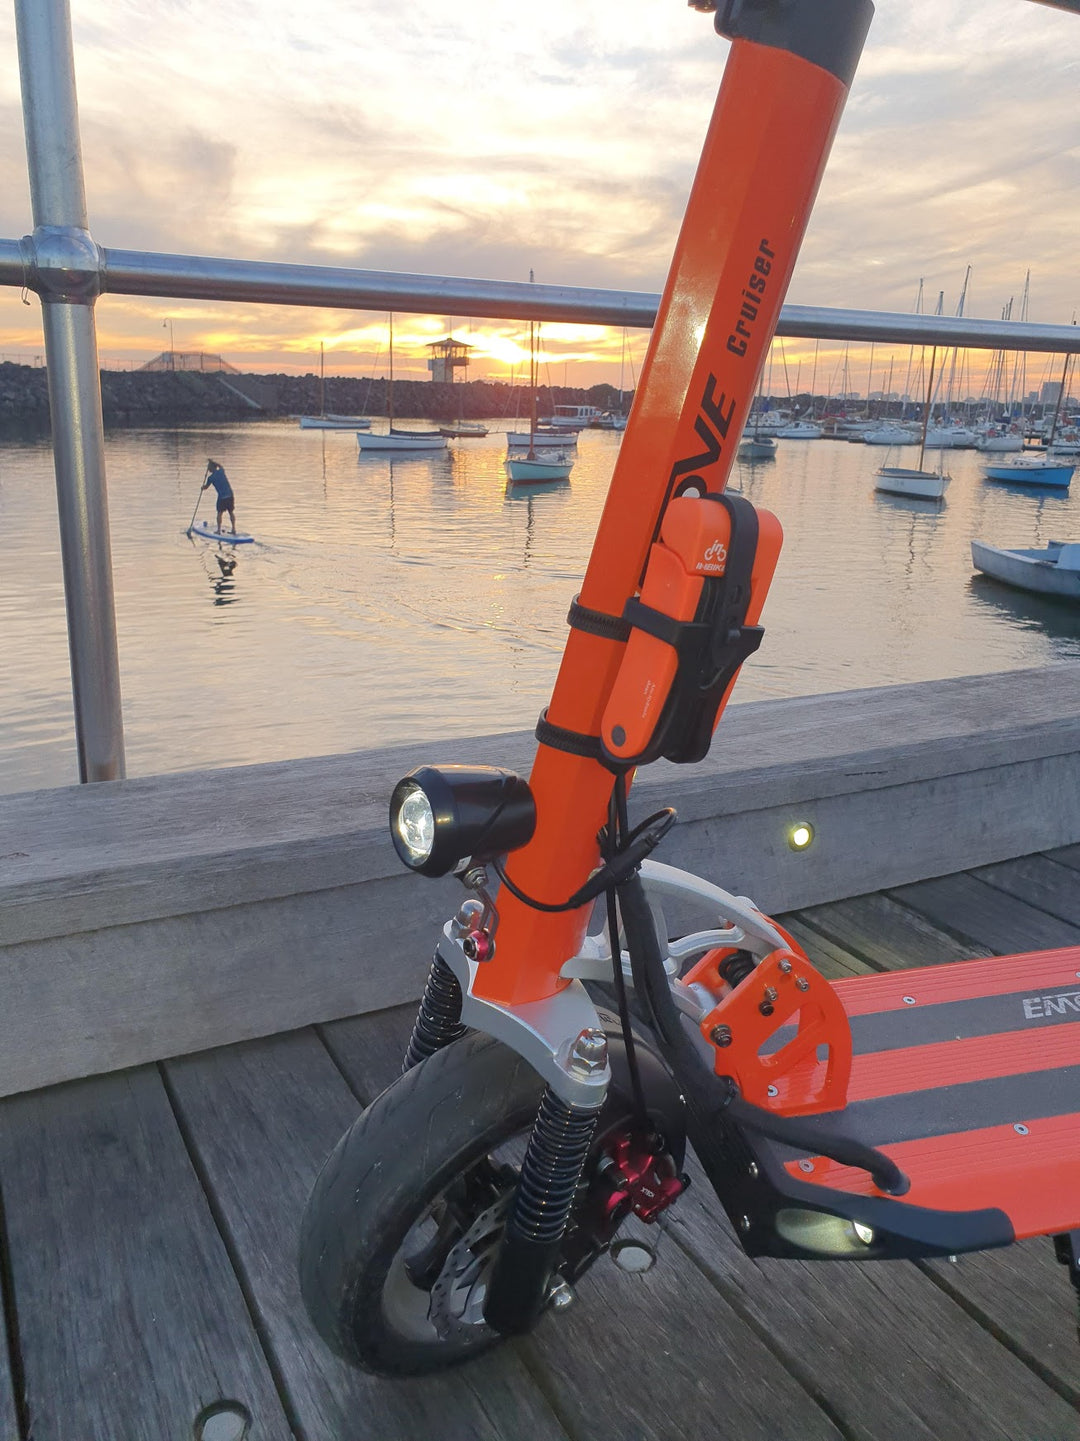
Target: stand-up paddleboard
(208,531)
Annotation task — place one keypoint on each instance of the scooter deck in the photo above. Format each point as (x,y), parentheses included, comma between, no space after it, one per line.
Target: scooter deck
(968,1076)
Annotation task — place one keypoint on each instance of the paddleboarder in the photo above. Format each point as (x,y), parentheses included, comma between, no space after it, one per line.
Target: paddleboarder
(216,477)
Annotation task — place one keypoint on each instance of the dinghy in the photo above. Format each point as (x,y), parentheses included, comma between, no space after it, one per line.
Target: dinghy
(1054,570)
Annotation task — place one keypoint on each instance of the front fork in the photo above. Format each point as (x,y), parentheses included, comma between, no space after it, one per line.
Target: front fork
(554,1159)
(561,1037)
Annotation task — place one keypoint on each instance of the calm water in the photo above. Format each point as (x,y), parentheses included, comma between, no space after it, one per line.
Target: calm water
(397,599)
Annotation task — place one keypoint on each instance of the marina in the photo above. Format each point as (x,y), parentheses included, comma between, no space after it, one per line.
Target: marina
(366,564)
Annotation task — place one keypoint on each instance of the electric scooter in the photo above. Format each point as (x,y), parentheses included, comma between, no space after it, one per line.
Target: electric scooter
(557,1072)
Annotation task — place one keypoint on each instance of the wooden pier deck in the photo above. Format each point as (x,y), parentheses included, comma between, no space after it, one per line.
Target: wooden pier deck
(150,1220)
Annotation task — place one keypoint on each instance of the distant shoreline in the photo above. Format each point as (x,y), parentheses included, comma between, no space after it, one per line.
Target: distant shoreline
(163,397)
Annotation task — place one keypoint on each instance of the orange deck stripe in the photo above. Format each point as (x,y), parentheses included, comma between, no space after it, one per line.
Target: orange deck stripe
(1033,1177)
(962,981)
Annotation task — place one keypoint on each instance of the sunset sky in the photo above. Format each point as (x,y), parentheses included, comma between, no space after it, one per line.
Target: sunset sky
(487,139)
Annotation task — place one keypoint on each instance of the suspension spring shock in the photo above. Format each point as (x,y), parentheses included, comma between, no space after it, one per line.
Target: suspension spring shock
(438,1021)
(550,1174)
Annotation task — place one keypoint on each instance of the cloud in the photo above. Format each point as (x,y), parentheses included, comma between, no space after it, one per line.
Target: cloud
(486,141)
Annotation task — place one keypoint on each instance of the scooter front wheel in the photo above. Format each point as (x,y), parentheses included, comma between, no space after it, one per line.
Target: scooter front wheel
(403,1224)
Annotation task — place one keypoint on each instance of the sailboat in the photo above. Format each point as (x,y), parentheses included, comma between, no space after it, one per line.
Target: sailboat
(395,438)
(322,421)
(756,444)
(916,482)
(540,462)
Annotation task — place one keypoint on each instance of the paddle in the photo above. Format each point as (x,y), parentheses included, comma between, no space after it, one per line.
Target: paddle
(195,512)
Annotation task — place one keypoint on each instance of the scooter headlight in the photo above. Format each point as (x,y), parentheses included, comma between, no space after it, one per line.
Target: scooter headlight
(440,815)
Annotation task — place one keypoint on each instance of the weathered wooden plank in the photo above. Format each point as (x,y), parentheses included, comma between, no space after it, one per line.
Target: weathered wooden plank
(370,1049)
(123,849)
(638,1358)
(1024,1293)
(262,1118)
(832,960)
(130,1316)
(130,994)
(1066,856)
(10,1352)
(985,915)
(892,1360)
(1041,882)
(887,935)
(649,1358)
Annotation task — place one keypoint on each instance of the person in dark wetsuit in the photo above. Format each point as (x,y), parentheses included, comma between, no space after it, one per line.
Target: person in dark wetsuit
(215,476)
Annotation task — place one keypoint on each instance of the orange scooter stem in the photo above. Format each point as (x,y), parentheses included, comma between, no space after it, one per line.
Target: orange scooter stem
(761,165)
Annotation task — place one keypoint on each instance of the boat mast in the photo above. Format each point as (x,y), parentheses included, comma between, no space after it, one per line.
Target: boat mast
(926,408)
(911,358)
(322,379)
(390,386)
(952,371)
(1060,400)
(813,384)
(532,387)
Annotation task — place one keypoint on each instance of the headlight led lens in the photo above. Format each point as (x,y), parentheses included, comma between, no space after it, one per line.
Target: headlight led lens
(415,824)
(442,815)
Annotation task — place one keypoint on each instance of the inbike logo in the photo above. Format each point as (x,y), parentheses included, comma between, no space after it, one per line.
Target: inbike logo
(1039,1008)
(715,558)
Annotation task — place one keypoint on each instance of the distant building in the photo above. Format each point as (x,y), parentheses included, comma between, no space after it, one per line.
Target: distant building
(448,356)
(1050,393)
(188,360)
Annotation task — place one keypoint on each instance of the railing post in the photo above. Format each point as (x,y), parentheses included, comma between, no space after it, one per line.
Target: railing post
(62,264)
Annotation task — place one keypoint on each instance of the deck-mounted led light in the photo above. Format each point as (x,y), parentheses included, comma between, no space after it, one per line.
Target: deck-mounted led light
(439,815)
(800,835)
(822,1233)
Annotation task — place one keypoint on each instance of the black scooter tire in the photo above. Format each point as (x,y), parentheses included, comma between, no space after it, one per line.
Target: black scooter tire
(429,1128)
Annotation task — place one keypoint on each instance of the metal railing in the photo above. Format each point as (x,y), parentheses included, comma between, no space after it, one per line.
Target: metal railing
(61,262)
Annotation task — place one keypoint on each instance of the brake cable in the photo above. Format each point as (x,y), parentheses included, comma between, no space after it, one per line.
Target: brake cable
(616,827)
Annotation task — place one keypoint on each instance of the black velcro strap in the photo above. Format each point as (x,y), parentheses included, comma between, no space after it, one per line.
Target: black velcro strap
(595,622)
(573,742)
(676,633)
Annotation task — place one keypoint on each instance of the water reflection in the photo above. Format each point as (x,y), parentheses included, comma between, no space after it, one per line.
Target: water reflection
(1058,615)
(368,575)
(530,500)
(219,565)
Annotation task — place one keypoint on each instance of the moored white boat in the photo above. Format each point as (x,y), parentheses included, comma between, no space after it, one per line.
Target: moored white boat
(369,440)
(756,447)
(523,469)
(1065,442)
(1054,570)
(1032,470)
(920,484)
(999,439)
(575,417)
(889,435)
(335,422)
(799,430)
(463,429)
(949,437)
(528,460)
(397,438)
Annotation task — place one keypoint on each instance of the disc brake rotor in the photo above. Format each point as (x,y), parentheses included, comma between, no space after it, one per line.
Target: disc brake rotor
(457,1297)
